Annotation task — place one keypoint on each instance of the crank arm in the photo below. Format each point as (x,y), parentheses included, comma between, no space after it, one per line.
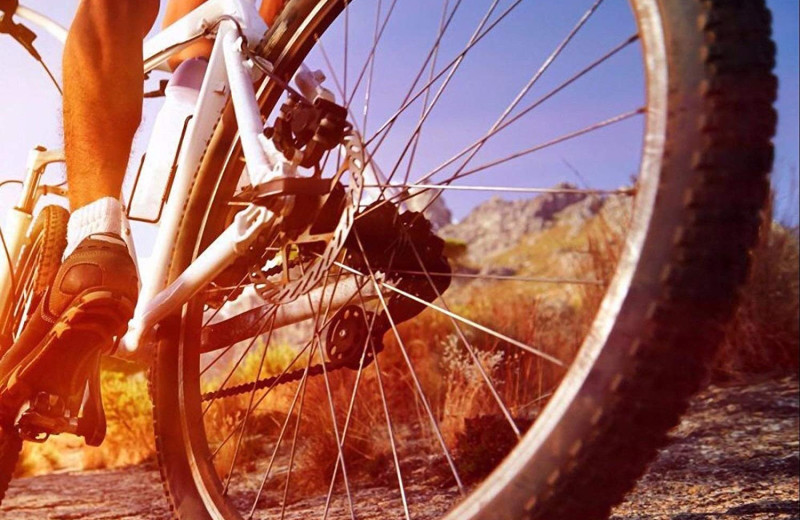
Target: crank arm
(231,243)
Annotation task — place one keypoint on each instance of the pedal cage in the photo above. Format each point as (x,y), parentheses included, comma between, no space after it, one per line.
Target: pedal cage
(81,414)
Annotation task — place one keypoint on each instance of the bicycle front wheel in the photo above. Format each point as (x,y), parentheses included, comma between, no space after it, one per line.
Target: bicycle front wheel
(35,271)
(488,357)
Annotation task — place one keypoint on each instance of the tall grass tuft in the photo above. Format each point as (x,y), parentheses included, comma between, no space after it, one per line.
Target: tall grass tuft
(763,338)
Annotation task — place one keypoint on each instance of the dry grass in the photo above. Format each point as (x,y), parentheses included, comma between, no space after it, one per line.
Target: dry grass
(129,439)
(451,364)
(764,337)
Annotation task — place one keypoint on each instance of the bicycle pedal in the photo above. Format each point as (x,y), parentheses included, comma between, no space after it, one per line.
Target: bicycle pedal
(80,414)
(46,416)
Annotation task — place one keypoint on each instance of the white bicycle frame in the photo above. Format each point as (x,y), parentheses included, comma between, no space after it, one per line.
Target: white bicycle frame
(230,75)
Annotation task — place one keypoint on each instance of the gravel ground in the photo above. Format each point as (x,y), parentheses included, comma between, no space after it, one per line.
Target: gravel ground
(734,457)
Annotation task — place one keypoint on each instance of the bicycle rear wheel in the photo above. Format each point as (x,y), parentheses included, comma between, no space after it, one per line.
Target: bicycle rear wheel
(545,372)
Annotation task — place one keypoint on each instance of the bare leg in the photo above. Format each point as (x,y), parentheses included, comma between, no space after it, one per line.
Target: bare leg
(103,88)
(103,94)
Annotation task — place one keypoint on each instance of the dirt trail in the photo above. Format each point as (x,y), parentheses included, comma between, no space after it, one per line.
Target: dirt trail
(734,457)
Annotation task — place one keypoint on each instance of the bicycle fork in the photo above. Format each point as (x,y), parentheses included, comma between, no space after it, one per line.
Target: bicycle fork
(19,220)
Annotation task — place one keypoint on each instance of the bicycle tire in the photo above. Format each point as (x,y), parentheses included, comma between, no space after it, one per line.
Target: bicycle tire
(10,448)
(38,264)
(39,259)
(612,413)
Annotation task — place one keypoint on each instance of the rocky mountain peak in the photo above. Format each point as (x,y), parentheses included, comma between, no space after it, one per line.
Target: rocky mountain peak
(497,223)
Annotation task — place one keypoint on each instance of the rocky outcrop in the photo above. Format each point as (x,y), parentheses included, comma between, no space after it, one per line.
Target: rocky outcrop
(433,205)
(498,224)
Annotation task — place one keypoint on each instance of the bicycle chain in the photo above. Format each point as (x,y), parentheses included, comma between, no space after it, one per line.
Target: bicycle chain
(288,377)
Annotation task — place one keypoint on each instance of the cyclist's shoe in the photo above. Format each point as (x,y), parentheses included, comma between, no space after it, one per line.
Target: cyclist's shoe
(89,303)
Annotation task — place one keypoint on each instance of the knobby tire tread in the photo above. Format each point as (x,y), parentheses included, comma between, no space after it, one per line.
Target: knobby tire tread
(732,78)
(51,225)
(52,222)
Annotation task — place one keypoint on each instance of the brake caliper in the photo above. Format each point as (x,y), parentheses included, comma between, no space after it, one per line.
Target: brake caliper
(303,132)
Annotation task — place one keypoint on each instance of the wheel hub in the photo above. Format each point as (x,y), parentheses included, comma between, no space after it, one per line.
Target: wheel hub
(347,336)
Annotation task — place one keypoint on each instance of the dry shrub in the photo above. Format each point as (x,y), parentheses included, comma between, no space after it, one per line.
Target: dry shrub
(554,321)
(366,446)
(129,439)
(762,338)
(58,453)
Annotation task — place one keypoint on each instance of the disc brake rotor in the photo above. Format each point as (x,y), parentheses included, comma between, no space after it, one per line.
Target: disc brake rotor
(281,289)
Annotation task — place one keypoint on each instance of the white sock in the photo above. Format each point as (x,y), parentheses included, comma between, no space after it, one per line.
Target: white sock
(101,216)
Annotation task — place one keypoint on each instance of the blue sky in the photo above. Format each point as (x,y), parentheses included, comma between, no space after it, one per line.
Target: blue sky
(30,107)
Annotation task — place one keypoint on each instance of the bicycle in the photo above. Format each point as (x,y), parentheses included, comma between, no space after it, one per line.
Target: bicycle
(283,204)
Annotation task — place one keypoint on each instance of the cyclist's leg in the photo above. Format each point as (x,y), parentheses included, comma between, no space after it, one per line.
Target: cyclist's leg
(95,289)
(178,8)
(103,94)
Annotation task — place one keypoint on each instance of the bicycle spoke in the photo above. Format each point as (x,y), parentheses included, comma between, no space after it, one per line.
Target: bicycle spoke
(283,373)
(239,361)
(239,285)
(371,63)
(450,75)
(249,409)
(331,405)
(340,443)
(227,349)
(260,400)
(412,372)
(504,189)
(401,197)
(300,387)
(412,98)
(507,278)
(294,441)
(518,99)
(470,348)
(390,431)
(342,93)
(424,101)
(346,45)
(462,319)
(558,140)
(425,62)
(389,427)
(478,326)
(566,137)
(480,142)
